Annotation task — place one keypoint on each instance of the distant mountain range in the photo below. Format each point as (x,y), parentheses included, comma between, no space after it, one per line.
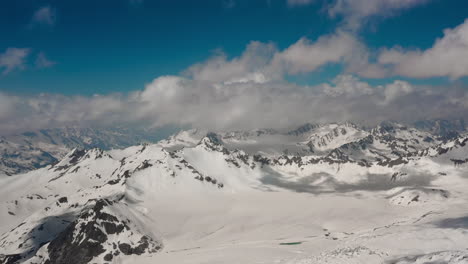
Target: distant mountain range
(32,150)
(87,207)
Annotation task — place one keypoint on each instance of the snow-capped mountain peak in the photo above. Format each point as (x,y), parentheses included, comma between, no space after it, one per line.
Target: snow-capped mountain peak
(144,202)
(332,136)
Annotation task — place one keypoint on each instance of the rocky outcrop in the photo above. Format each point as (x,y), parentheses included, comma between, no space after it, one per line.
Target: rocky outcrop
(100,233)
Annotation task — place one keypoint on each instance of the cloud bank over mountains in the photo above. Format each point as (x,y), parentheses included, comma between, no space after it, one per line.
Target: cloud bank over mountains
(247,103)
(252,90)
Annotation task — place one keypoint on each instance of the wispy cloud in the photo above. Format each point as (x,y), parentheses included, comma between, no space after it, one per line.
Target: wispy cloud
(43,62)
(356,12)
(13,59)
(295,3)
(45,16)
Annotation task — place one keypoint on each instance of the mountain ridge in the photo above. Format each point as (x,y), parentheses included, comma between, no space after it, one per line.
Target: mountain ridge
(107,198)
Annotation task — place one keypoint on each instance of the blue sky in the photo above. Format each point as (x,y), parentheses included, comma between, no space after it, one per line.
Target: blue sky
(372,58)
(117,45)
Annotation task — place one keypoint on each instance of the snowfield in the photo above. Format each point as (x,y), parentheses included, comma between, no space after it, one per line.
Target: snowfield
(319,194)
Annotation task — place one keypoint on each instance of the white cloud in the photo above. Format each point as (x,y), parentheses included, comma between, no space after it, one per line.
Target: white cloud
(43,62)
(262,62)
(356,12)
(347,85)
(294,3)
(350,86)
(44,16)
(396,89)
(13,58)
(256,57)
(180,101)
(305,56)
(447,57)
(251,91)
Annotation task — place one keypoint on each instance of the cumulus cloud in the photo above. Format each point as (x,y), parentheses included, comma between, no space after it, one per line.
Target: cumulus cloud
(356,12)
(13,58)
(447,57)
(44,16)
(248,104)
(395,90)
(307,56)
(256,58)
(294,3)
(263,61)
(43,62)
(347,85)
(251,90)
(341,47)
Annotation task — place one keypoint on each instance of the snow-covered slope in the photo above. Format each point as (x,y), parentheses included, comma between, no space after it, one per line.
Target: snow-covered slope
(32,150)
(379,196)
(332,136)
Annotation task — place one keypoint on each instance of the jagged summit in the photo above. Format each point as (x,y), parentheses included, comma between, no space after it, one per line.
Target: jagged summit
(303,129)
(248,135)
(101,232)
(212,138)
(40,148)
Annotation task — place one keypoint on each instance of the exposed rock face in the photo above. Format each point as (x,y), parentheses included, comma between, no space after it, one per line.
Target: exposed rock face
(303,129)
(10,259)
(98,233)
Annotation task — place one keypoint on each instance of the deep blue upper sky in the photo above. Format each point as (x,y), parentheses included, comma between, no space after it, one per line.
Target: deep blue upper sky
(118,45)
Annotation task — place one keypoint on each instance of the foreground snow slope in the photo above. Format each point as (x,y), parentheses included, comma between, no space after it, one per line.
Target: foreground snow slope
(203,199)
